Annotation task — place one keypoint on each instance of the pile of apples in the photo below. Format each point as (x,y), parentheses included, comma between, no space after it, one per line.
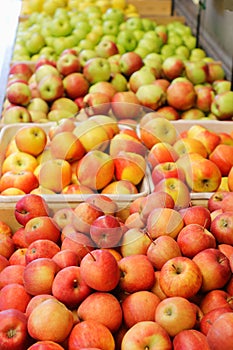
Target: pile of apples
(84,278)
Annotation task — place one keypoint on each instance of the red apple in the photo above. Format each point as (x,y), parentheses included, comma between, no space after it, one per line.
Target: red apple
(41,248)
(211,316)
(12,274)
(190,339)
(41,227)
(181,95)
(130,62)
(220,333)
(66,258)
(222,156)
(227,203)
(215,200)
(125,104)
(24,180)
(75,85)
(68,63)
(45,345)
(222,228)
(14,296)
(196,214)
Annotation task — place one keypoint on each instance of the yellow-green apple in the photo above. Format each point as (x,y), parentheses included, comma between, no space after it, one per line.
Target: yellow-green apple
(194,238)
(41,248)
(96,103)
(214,267)
(132,266)
(189,145)
(31,139)
(62,321)
(167,170)
(16,114)
(222,227)
(215,71)
(221,85)
(24,69)
(196,71)
(51,88)
(96,307)
(129,166)
(84,214)
(125,104)
(38,104)
(44,70)
(29,206)
(24,180)
(146,334)
(160,199)
(193,337)
(41,227)
(181,94)
(13,321)
(164,221)
(157,130)
(161,152)
(14,296)
(64,103)
(221,106)
(181,316)
(75,85)
(38,276)
(69,287)
(106,231)
(97,69)
(134,241)
(161,250)
(174,276)
(102,169)
(168,112)
(222,156)
(55,174)
(101,336)
(18,161)
(119,82)
(65,145)
(7,246)
(130,62)
(177,189)
(173,67)
(100,270)
(12,274)
(68,63)
(205,96)
(151,96)
(208,319)
(45,344)
(196,214)
(92,135)
(140,77)
(18,93)
(65,258)
(139,306)
(224,325)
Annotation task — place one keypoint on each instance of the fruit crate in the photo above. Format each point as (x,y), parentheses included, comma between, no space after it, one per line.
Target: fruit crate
(199,198)
(153,7)
(56,201)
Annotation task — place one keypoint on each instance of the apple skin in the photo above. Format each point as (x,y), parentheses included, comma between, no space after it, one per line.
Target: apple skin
(41,227)
(130,62)
(92,334)
(191,338)
(224,325)
(230,179)
(127,143)
(222,156)
(16,114)
(154,200)
(69,287)
(215,268)
(24,180)
(56,331)
(18,93)
(146,334)
(45,345)
(68,63)
(222,228)
(84,214)
(139,306)
(10,321)
(167,170)
(181,95)
(14,296)
(29,206)
(97,69)
(35,301)
(65,145)
(205,96)
(181,316)
(125,104)
(51,88)
(65,258)
(132,266)
(215,200)
(21,68)
(96,103)
(194,238)
(209,318)
(75,85)
(7,246)
(196,215)
(161,152)
(96,307)
(174,275)
(41,248)
(134,241)
(173,67)
(12,274)
(31,139)
(227,203)
(100,270)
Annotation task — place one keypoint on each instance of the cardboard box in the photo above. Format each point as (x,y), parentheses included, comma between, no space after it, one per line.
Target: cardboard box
(153,7)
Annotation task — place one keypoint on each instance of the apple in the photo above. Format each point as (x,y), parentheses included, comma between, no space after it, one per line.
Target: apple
(101,337)
(45,345)
(13,322)
(164,221)
(65,145)
(209,138)
(174,275)
(140,77)
(96,307)
(167,170)
(77,242)
(215,71)
(75,85)
(227,202)
(192,114)
(38,276)
(134,241)
(97,69)
(181,94)
(68,63)
(24,180)
(196,214)
(181,315)
(192,338)
(100,270)
(224,325)
(222,156)
(222,227)
(16,114)
(19,161)
(196,71)
(44,330)
(31,139)
(18,93)
(161,250)
(194,238)
(151,96)
(221,105)
(168,112)
(230,179)
(215,200)
(64,103)
(41,248)
(41,227)
(22,68)
(125,104)
(3,262)
(161,152)
(211,316)
(205,96)
(12,274)
(146,334)
(120,187)
(190,145)
(104,87)
(215,299)
(215,268)
(173,67)
(96,103)
(7,245)
(84,215)
(14,296)
(106,48)
(51,87)
(127,143)
(132,266)
(18,257)
(130,62)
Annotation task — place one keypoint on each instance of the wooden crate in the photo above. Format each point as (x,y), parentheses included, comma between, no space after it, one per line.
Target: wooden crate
(147,8)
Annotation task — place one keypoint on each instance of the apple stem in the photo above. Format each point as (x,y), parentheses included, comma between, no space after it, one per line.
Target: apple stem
(148,235)
(89,252)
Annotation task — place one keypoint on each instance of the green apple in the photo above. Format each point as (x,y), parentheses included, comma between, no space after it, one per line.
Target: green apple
(174,39)
(97,69)
(197,54)
(110,27)
(167,50)
(86,44)
(127,40)
(84,26)
(85,55)
(138,33)
(134,23)
(182,51)
(60,26)
(151,44)
(114,14)
(109,37)
(148,24)
(119,82)
(142,51)
(189,41)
